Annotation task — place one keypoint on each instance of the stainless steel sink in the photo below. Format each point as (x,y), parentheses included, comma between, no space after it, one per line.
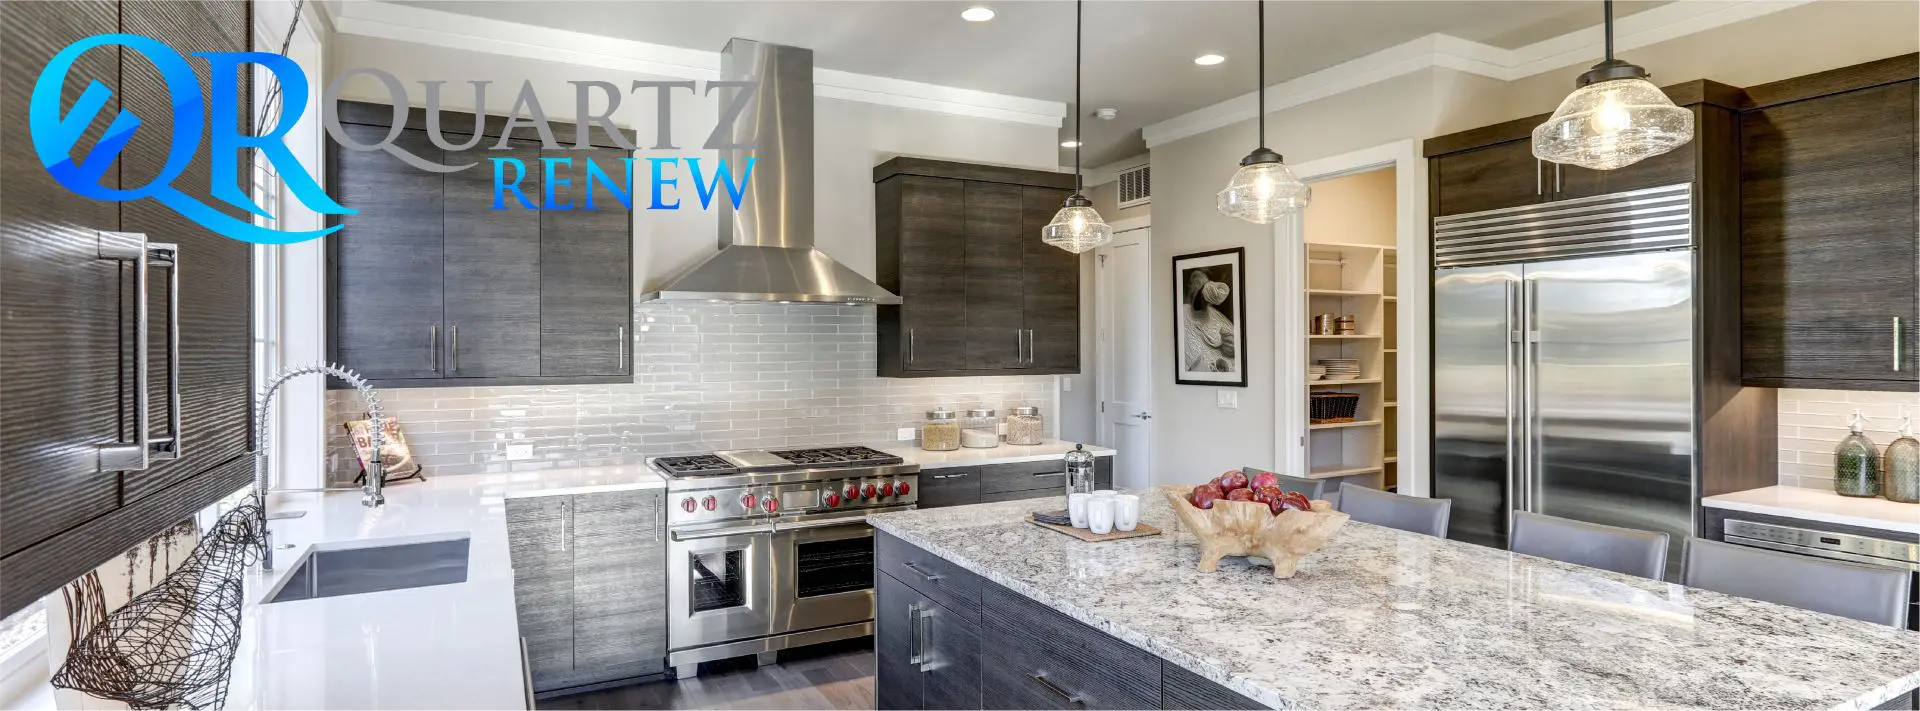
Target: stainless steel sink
(373,568)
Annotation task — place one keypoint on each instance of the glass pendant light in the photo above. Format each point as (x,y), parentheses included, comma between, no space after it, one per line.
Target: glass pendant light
(1264,189)
(1615,118)
(1077,227)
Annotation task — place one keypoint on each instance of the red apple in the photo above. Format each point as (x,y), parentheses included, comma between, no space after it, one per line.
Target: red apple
(1204,495)
(1295,500)
(1240,495)
(1233,479)
(1263,480)
(1277,504)
(1265,494)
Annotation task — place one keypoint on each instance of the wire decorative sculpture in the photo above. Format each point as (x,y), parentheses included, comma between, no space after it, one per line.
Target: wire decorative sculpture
(174,644)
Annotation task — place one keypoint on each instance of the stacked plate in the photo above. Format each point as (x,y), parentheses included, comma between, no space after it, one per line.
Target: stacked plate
(1341,368)
(1316,372)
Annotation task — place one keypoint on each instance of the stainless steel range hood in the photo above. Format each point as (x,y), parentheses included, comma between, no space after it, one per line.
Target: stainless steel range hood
(766,247)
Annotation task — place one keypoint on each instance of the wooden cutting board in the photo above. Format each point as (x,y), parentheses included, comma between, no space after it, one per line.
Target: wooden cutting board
(1090,537)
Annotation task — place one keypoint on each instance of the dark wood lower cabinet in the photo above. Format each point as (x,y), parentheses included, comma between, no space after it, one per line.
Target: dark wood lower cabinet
(958,486)
(933,653)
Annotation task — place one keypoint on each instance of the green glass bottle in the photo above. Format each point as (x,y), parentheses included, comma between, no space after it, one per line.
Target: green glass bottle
(1903,466)
(1856,462)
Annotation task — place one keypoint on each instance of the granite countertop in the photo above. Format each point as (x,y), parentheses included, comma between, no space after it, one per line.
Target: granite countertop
(970,457)
(1822,505)
(1387,619)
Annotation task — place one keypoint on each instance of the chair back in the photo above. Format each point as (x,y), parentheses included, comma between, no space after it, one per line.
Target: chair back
(1385,508)
(1862,592)
(1621,550)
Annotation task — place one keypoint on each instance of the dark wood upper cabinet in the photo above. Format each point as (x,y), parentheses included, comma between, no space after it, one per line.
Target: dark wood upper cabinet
(1493,167)
(433,287)
(981,294)
(1487,178)
(1831,291)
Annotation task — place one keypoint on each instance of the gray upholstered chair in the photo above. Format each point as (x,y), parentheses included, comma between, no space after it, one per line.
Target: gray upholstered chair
(1862,592)
(1385,508)
(1311,488)
(1621,550)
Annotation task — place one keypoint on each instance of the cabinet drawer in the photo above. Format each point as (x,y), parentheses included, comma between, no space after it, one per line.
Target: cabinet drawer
(1182,689)
(955,486)
(937,578)
(1023,476)
(1043,659)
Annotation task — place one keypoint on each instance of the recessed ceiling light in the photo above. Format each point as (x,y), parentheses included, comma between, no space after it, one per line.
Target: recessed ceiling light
(1069,144)
(977,14)
(1208,60)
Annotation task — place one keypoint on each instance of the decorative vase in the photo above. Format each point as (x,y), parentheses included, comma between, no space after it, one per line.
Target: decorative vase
(1903,466)
(1856,462)
(1248,528)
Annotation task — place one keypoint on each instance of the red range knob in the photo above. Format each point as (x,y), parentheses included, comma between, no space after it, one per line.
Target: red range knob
(746,500)
(771,504)
(871,490)
(710,503)
(687,504)
(886,489)
(904,488)
(833,499)
(853,491)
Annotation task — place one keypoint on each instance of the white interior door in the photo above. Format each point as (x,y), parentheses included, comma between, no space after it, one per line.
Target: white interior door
(1126,355)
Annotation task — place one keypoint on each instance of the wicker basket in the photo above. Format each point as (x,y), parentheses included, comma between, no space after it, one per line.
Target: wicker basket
(1332,407)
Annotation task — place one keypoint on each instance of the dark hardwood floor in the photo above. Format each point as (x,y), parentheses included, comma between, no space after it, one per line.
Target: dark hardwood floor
(837,675)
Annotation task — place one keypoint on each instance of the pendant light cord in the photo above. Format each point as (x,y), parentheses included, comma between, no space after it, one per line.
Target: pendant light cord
(1262,69)
(1078,109)
(1608,4)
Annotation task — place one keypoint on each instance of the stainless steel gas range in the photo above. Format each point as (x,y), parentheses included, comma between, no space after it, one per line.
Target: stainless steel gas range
(770,549)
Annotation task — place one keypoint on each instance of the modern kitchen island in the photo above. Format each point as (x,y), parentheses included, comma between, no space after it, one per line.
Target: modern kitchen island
(978,608)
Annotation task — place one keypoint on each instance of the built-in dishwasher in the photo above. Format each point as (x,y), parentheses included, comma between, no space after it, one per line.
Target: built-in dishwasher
(1849,547)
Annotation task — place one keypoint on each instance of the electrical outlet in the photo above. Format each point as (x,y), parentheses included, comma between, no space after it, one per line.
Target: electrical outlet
(1228,399)
(905,434)
(517,452)
(1066,385)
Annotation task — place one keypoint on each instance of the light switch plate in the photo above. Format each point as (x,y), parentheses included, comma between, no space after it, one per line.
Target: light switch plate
(517,452)
(905,434)
(1066,385)
(1228,399)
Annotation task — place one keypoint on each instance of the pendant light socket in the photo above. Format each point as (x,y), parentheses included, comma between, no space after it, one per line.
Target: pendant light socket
(1609,70)
(1262,154)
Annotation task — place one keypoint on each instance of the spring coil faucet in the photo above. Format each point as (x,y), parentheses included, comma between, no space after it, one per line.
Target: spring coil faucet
(372,494)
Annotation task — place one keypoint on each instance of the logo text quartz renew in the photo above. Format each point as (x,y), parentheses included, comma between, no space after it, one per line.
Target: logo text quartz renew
(56,134)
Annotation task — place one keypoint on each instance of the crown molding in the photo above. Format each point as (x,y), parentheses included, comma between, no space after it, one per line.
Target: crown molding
(1577,48)
(455,31)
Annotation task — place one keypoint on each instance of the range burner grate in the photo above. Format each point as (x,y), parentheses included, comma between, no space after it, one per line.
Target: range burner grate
(695,465)
(837,456)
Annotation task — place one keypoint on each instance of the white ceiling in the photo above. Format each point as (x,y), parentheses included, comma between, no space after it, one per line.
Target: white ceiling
(1138,54)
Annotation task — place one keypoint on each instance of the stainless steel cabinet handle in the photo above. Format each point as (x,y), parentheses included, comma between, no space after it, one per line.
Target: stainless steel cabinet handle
(924,574)
(950,476)
(123,456)
(924,632)
(433,347)
(1556,178)
(566,523)
(620,355)
(1067,696)
(1030,341)
(913,639)
(659,521)
(453,347)
(1538,184)
(1896,344)
(909,345)
(526,673)
(1019,346)
(168,255)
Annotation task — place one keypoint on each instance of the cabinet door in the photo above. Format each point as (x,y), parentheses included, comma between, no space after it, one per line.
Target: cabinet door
(492,271)
(1051,288)
(387,300)
(1043,659)
(951,668)
(933,273)
(215,327)
(586,274)
(1496,176)
(955,486)
(996,253)
(542,555)
(1827,195)
(897,679)
(60,344)
(619,579)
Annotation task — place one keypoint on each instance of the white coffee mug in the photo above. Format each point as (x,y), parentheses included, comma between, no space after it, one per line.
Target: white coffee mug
(1126,512)
(1100,515)
(1077,509)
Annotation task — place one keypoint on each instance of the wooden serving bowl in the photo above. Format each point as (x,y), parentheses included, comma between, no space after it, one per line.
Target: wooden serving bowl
(1247,528)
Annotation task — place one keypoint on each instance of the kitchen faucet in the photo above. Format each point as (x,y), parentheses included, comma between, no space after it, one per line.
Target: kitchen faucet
(372,493)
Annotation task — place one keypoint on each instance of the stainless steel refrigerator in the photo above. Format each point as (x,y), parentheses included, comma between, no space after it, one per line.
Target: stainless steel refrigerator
(1564,356)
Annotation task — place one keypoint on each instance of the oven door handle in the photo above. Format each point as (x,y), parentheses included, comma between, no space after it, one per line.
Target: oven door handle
(722,532)
(822,523)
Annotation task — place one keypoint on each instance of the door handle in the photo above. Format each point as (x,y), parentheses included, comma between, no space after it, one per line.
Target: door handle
(949,476)
(913,638)
(453,348)
(620,352)
(1896,344)
(909,345)
(168,255)
(1019,346)
(1538,182)
(1070,698)
(930,577)
(924,631)
(1142,415)
(1510,305)
(123,456)
(1030,343)
(433,347)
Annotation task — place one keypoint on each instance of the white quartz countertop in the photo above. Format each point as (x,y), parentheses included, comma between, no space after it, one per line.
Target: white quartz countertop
(1386,619)
(437,647)
(969,457)
(1822,505)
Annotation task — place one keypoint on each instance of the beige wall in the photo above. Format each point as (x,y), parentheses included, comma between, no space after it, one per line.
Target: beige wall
(1358,209)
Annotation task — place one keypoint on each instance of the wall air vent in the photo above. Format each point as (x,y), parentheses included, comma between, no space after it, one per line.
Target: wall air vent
(1136,186)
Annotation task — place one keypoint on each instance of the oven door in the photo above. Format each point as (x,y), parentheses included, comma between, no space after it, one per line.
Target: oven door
(824,573)
(719,585)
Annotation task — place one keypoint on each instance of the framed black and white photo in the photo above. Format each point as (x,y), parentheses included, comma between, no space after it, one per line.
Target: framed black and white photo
(1209,318)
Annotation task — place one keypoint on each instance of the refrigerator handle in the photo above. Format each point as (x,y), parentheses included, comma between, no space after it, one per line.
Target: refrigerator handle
(1510,305)
(1530,394)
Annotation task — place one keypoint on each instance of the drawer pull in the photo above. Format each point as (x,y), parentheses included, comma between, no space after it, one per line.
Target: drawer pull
(1072,699)
(1049,473)
(913,641)
(949,476)
(930,577)
(1896,344)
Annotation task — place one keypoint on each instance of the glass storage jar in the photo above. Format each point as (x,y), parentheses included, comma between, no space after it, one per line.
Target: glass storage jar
(1903,466)
(1025,426)
(940,432)
(1856,462)
(980,429)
